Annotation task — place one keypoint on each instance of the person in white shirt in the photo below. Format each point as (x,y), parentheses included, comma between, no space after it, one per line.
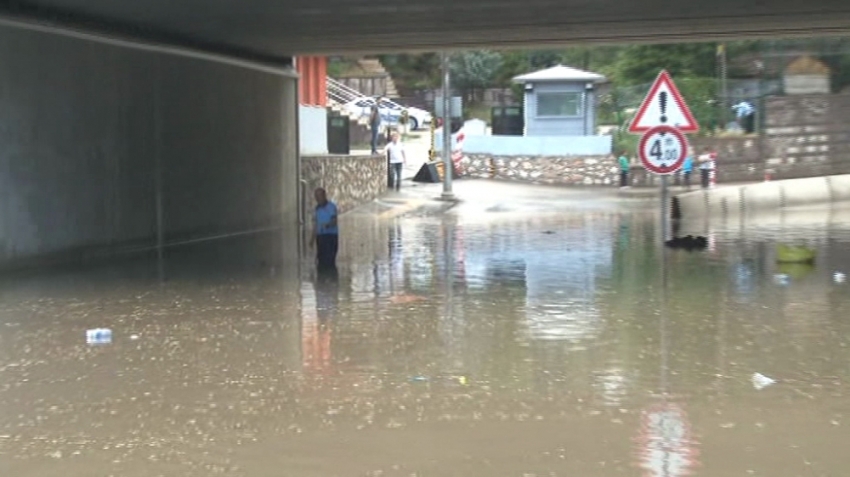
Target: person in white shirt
(397,157)
(706,165)
(746,115)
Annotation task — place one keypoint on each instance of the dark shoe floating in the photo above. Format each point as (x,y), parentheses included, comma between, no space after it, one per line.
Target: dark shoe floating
(689,243)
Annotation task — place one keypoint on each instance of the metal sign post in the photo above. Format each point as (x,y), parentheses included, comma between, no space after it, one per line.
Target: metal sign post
(663,117)
(662,150)
(447,129)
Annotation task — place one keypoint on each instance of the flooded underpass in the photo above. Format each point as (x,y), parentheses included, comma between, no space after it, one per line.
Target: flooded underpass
(511,337)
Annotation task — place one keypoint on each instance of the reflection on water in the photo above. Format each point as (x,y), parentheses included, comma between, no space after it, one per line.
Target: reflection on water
(541,345)
(665,443)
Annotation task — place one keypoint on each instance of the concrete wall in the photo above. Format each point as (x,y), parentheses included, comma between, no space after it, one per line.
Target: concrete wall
(807,84)
(313,129)
(83,126)
(765,197)
(581,125)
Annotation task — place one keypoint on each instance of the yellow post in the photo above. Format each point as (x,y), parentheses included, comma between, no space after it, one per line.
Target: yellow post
(432,153)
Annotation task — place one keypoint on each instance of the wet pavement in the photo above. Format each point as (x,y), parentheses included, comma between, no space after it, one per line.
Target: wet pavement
(528,332)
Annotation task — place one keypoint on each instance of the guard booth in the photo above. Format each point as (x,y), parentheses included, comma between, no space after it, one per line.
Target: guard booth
(507,120)
(339,134)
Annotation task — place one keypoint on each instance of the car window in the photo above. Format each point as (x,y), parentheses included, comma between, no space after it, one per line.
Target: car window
(363,103)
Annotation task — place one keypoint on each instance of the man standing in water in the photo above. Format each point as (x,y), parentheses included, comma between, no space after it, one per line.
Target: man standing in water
(325,231)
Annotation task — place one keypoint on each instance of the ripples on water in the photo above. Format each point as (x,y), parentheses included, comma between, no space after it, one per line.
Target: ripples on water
(517,346)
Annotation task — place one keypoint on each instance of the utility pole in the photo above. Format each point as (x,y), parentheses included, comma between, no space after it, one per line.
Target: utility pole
(448,170)
(724,86)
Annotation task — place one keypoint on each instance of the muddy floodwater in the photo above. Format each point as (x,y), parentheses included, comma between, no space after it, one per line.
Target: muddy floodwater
(480,341)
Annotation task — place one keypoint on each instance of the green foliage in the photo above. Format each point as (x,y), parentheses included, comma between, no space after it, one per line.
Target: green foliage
(413,72)
(473,70)
(699,93)
(636,64)
(625,66)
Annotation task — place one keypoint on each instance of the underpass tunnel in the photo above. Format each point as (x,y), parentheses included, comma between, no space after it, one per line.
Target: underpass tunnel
(107,145)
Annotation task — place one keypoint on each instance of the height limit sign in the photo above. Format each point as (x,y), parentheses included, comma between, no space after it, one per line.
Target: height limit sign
(663,149)
(662,119)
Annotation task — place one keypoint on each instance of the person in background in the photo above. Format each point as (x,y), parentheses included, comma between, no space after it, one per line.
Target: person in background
(375,124)
(325,231)
(687,169)
(706,165)
(397,157)
(624,169)
(746,116)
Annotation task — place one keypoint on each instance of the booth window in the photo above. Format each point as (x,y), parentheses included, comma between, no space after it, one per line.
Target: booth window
(558,105)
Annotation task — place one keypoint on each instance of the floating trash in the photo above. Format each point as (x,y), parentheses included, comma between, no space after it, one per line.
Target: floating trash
(839,277)
(761,381)
(99,336)
(689,243)
(781,279)
(795,254)
(418,379)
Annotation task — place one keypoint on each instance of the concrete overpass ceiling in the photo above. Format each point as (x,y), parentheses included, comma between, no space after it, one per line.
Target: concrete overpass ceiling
(273,30)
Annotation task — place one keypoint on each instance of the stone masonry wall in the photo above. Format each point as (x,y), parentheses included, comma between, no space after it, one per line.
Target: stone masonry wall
(804,136)
(351,181)
(555,170)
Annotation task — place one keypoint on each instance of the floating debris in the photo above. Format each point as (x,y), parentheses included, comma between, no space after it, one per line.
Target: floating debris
(689,243)
(761,381)
(781,279)
(99,336)
(839,277)
(795,254)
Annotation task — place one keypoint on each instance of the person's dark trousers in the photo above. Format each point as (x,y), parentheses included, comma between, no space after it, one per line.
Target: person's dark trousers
(374,139)
(749,123)
(396,173)
(327,246)
(624,178)
(705,175)
(687,179)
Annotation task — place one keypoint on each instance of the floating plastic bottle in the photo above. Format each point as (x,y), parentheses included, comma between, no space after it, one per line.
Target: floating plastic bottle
(839,277)
(761,381)
(99,336)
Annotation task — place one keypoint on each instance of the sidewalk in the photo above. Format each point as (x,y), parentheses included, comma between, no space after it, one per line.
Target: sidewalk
(655,191)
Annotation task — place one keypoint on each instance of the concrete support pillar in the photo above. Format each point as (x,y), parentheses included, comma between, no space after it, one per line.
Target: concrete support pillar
(290,199)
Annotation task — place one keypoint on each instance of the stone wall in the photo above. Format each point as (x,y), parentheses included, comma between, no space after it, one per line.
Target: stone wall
(804,136)
(351,181)
(556,170)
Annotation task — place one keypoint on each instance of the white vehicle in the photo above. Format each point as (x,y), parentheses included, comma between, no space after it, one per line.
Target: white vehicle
(390,112)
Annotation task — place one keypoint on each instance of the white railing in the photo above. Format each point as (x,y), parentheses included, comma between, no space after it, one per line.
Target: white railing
(341,93)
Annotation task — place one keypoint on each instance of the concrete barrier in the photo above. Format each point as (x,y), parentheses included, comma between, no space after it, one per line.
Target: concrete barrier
(746,200)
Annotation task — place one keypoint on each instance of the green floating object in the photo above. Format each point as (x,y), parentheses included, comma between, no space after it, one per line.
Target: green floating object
(795,254)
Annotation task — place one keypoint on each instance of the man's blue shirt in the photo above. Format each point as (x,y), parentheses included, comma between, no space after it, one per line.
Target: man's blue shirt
(324,215)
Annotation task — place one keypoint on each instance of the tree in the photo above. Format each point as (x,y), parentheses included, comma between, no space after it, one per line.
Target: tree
(474,70)
(412,72)
(637,64)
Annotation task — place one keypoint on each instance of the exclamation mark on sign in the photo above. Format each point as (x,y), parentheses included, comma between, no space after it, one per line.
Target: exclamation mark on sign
(662,99)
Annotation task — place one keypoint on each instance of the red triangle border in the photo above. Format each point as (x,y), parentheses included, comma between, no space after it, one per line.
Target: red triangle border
(664,77)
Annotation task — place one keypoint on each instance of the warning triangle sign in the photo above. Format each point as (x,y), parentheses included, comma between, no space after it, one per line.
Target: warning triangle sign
(664,106)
